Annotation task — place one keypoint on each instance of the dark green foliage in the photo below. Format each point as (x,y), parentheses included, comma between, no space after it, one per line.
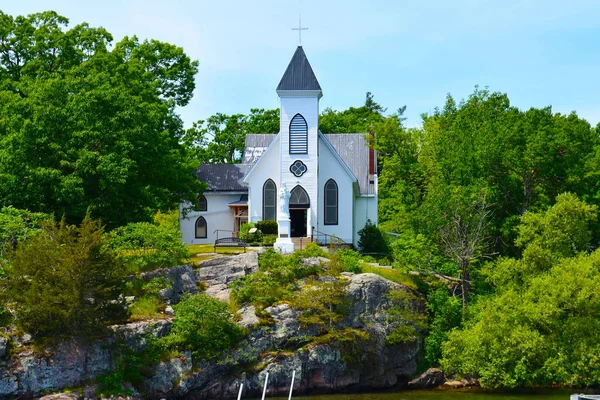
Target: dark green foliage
(267,227)
(64,281)
(371,240)
(203,325)
(541,325)
(18,225)
(445,314)
(87,125)
(144,246)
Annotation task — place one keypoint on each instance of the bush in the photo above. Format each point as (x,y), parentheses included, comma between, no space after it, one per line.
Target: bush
(64,281)
(251,238)
(269,240)
(268,227)
(144,246)
(371,240)
(276,277)
(203,325)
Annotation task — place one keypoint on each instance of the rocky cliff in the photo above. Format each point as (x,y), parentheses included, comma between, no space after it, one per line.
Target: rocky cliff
(278,347)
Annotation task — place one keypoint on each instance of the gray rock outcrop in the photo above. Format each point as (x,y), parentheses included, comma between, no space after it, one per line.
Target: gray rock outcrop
(277,344)
(429,379)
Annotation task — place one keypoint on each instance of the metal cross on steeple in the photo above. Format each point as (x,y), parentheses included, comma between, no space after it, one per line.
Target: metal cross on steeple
(299,29)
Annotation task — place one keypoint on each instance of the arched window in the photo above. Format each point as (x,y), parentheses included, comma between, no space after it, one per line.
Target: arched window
(298,135)
(331,203)
(201,204)
(201,228)
(299,198)
(269,200)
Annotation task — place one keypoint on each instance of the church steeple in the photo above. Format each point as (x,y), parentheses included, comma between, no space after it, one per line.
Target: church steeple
(299,76)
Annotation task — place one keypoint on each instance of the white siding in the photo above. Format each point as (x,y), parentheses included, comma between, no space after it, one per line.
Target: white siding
(268,168)
(218,216)
(330,168)
(364,208)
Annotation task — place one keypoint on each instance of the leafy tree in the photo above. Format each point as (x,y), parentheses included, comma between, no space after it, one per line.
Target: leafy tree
(143,245)
(18,225)
(84,127)
(221,138)
(541,326)
(64,281)
(352,120)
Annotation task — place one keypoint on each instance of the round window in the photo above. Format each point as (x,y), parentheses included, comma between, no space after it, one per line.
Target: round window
(298,168)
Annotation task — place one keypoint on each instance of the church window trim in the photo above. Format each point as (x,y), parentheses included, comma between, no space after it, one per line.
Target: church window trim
(299,198)
(269,200)
(202,203)
(298,168)
(201,228)
(331,203)
(298,135)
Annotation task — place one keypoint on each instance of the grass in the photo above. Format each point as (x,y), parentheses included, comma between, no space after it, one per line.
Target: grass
(392,275)
(146,307)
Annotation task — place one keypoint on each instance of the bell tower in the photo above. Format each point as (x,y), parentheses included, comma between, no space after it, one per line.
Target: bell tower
(299,93)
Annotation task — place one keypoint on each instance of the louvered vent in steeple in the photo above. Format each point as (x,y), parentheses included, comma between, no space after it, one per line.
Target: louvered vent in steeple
(298,135)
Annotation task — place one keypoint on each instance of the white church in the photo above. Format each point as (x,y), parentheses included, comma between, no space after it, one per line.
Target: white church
(315,185)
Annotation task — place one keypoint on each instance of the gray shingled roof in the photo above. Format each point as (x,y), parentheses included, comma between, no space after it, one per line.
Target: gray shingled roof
(351,147)
(224,177)
(256,145)
(299,74)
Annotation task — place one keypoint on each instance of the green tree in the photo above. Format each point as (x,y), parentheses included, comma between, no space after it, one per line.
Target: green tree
(352,120)
(143,245)
(541,326)
(83,127)
(64,281)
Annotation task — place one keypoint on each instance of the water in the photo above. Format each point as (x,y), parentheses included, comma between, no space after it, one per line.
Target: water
(542,394)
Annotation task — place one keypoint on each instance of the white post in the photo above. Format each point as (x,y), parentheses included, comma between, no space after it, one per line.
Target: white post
(240,392)
(265,387)
(292,385)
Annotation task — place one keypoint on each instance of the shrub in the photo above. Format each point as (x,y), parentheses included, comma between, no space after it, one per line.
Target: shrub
(252,238)
(144,246)
(323,305)
(203,325)
(404,315)
(276,277)
(269,240)
(64,281)
(371,240)
(268,227)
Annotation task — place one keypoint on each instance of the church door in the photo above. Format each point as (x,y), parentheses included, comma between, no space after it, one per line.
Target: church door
(299,205)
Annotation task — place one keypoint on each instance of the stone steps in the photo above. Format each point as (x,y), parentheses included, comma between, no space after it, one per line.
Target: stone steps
(300,242)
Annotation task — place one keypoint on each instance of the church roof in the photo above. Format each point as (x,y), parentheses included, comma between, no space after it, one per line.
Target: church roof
(224,177)
(351,147)
(299,74)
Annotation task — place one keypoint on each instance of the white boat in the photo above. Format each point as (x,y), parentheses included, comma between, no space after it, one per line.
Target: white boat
(585,397)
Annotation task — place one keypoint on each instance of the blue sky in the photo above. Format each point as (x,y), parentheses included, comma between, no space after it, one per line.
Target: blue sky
(406,52)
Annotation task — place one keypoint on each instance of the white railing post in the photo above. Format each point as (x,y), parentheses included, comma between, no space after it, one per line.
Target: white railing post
(265,388)
(292,385)
(240,392)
